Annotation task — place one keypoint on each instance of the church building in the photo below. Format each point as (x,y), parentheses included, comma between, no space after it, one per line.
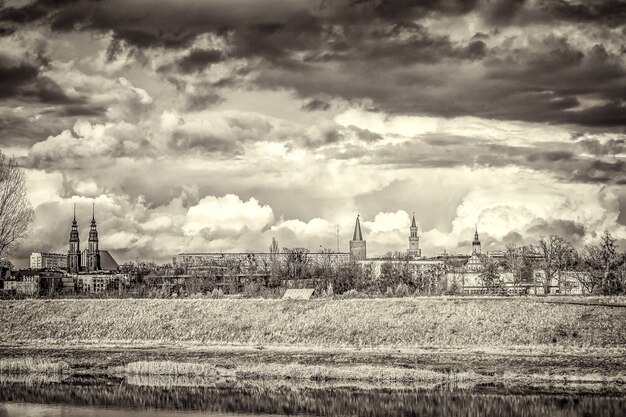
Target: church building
(93,254)
(73,253)
(90,259)
(474,263)
(414,240)
(357,244)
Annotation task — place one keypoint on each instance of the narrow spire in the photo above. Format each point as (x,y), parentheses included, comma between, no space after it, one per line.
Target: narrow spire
(413,222)
(357,230)
(74,212)
(93,212)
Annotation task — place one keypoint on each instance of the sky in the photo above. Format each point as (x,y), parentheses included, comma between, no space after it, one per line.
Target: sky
(202,126)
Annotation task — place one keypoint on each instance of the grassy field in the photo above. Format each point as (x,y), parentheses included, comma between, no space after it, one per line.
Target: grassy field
(295,371)
(357,323)
(32,365)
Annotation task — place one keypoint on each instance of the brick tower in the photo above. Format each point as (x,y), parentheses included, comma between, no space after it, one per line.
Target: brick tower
(93,254)
(357,244)
(73,253)
(414,240)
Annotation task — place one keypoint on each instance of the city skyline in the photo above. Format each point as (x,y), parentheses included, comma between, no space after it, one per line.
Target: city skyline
(217,126)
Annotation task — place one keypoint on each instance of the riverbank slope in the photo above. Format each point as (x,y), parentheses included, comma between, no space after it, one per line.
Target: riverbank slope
(331,323)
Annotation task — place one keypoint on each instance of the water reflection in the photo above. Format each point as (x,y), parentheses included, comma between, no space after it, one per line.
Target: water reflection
(100,397)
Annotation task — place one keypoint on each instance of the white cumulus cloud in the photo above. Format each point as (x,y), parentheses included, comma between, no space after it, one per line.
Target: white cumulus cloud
(227,214)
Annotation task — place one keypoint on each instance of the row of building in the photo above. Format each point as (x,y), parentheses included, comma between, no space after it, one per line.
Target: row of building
(43,282)
(467,278)
(90,270)
(95,270)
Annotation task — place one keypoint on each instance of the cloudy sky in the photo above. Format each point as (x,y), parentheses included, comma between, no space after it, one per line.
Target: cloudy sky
(217,125)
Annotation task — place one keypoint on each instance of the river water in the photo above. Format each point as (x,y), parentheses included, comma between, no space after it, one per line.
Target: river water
(108,398)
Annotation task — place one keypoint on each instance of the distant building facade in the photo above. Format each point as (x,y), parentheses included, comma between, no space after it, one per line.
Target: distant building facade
(41,260)
(261,259)
(99,283)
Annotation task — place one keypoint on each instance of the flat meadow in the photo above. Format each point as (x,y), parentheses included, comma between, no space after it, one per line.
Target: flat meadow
(323,323)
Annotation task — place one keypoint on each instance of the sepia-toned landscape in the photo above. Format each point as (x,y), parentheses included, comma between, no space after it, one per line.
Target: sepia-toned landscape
(312,208)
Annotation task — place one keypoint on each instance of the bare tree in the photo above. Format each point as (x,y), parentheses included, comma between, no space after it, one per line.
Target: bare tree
(518,260)
(16,213)
(513,261)
(601,264)
(490,275)
(296,265)
(558,255)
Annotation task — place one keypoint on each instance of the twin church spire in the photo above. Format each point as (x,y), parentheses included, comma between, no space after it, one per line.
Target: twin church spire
(75,261)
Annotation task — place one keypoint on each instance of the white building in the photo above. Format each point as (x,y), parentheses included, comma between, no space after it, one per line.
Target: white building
(39,260)
(260,258)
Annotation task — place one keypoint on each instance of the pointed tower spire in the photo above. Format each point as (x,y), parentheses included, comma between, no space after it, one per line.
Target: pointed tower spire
(73,252)
(93,252)
(476,242)
(357,244)
(414,240)
(357,230)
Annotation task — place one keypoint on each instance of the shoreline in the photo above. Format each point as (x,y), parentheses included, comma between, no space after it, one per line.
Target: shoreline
(571,372)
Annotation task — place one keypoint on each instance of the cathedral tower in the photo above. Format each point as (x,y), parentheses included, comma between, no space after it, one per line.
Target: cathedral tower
(93,254)
(73,253)
(476,244)
(414,240)
(357,244)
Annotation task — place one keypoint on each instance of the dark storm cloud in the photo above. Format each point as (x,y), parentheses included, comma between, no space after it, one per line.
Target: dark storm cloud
(14,77)
(28,13)
(502,12)
(198,59)
(445,151)
(610,147)
(202,101)
(315,105)
(609,12)
(570,230)
(384,51)
(19,131)
(76,110)
(21,80)
(205,144)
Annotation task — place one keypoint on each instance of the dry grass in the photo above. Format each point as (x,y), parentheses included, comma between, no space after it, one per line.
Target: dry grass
(296,371)
(583,378)
(172,368)
(353,373)
(186,371)
(377,323)
(32,366)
